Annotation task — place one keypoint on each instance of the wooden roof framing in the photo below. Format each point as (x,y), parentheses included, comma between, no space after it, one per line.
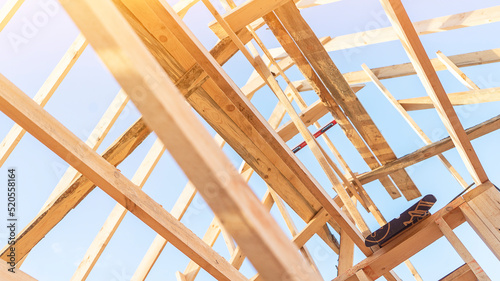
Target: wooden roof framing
(166,72)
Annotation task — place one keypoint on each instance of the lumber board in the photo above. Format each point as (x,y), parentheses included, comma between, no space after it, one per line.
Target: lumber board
(413,124)
(8,10)
(430,150)
(340,93)
(456,99)
(44,127)
(94,141)
(428,76)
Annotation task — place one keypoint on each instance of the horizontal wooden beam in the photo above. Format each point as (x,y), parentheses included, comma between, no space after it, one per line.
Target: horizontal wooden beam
(429,151)
(459,98)
(245,14)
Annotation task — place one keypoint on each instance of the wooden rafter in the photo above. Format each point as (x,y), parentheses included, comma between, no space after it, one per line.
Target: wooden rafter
(8,10)
(459,98)
(416,52)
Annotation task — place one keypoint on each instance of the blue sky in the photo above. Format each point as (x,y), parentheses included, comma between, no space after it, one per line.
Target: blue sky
(89,88)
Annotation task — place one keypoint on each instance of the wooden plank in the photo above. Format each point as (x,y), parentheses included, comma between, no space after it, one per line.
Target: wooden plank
(306,233)
(286,41)
(8,10)
(387,34)
(440,24)
(214,176)
(117,214)
(461,249)
(311,228)
(211,235)
(44,93)
(428,76)
(456,99)
(182,7)
(340,93)
(50,216)
(412,124)
(69,147)
(429,151)
(463,273)
(245,14)
(94,141)
(486,204)
(459,74)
